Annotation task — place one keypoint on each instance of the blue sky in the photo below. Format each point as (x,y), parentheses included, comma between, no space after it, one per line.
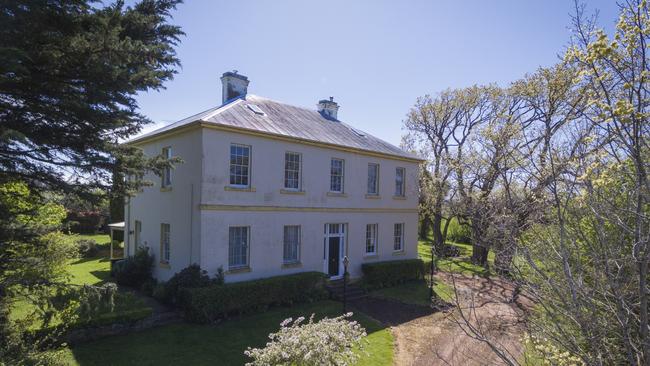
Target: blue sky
(374,57)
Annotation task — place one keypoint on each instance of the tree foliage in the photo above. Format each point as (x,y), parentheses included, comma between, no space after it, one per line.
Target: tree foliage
(69,72)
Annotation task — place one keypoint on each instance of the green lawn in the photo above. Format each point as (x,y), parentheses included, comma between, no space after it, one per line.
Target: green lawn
(416,292)
(222,344)
(461,264)
(90,271)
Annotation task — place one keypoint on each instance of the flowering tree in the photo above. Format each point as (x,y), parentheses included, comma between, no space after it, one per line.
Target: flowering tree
(325,342)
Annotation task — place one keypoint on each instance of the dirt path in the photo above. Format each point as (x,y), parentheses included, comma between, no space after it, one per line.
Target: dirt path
(437,338)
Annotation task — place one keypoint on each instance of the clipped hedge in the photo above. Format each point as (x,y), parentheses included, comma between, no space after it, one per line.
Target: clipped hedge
(208,304)
(391,273)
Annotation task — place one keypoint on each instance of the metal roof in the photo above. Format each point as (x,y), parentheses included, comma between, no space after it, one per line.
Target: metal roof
(286,120)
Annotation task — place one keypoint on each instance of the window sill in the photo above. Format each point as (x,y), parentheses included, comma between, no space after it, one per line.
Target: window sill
(371,256)
(336,194)
(291,265)
(239,189)
(373,196)
(399,252)
(238,270)
(165,265)
(289,191)
(399,197)
(166,189)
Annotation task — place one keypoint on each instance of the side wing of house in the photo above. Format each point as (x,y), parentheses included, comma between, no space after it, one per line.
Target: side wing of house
(165,217)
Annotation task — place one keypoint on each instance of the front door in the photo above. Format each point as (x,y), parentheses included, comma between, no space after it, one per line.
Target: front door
(334,249)
(334,255)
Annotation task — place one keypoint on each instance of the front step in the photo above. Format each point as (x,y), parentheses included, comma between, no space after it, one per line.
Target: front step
(352,292)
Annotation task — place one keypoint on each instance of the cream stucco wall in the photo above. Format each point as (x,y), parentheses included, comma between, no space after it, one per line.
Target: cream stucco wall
(200,208)
(177,207)
(312,209)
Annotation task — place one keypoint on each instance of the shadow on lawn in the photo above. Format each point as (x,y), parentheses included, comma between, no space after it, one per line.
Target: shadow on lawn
(90,259)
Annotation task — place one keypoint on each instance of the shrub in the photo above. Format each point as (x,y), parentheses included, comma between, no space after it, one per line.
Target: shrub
(134,271)
(190,277)
(458,233)
(87,247)
(447,251)
(391,273)
(207,304)
(148,286)
(326,342)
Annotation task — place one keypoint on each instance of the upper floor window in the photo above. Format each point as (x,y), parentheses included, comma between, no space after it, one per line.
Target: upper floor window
(238,237)
(398,237)
(165,245)
(240,165)
(292,171)
(371,239)
(399,181)
(373,178)
(337,168)
(291,243)
(167,172)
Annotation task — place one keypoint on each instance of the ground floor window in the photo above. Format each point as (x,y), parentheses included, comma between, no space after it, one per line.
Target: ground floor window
(398,241)
(238,242)
(291,243)
(165,246)
(371,239)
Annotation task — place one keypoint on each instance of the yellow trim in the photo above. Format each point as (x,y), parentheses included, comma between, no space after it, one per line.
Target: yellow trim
(288,191)
(239,189)
(399,197)
(166,189)
(214,207)
(291,265)
(336,194)
(373,196)
(239,270)
(213,126)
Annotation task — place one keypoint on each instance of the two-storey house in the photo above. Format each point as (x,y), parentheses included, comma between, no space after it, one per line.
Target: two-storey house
(267,188)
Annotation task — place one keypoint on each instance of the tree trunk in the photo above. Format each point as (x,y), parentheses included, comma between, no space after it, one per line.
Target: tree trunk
(479,255)
(425,225)
(438,239)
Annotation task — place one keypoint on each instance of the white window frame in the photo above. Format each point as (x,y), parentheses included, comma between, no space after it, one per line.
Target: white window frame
(291,250)
(340,176)
(231,248)
(165,243)
(371,239)
(373,187)
(231,165)
(166,178)
(296,170)
(398,237)
(400,185)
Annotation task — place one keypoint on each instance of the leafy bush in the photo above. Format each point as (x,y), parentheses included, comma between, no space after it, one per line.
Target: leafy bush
(134,271)
(326,342)
(190,277)
(447,251)
(207,304)
(148,286)
(458,233)
(87,247)
(391,273)
(96,300)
